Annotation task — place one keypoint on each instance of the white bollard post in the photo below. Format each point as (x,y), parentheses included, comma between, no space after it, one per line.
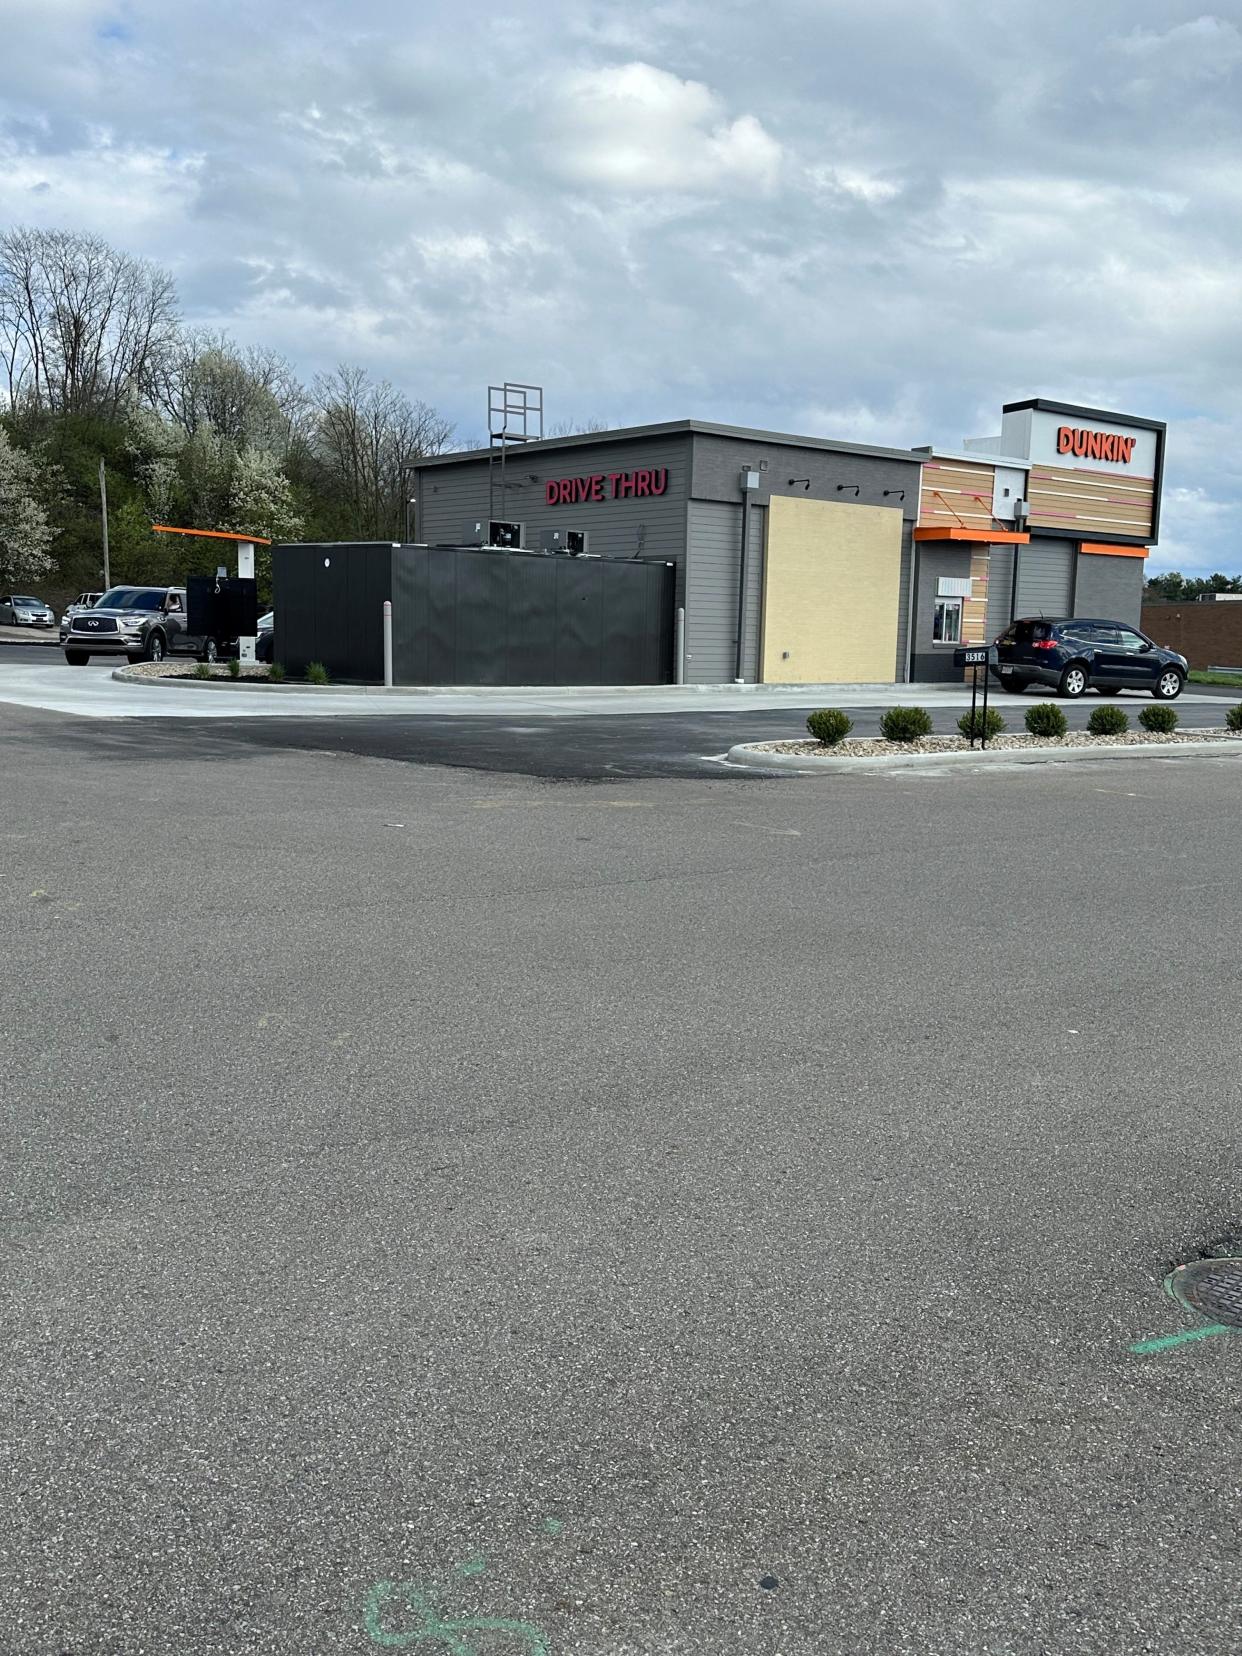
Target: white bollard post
(245,572)
(680,649)
(388,643)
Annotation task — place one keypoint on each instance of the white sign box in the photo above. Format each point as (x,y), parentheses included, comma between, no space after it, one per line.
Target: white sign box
(953,586)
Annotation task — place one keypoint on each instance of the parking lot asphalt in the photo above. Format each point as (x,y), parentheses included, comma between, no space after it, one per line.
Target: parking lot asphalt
(597,747)
(478,1212)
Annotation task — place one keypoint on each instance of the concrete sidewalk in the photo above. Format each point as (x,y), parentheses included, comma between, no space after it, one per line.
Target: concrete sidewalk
(93,692)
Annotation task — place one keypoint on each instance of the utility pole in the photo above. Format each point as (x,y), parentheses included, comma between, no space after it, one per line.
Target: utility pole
(103,502)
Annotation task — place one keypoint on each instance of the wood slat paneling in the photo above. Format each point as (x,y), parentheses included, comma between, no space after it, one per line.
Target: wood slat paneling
(1091,502)
(955,491)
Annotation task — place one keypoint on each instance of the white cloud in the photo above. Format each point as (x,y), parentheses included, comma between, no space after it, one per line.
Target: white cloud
(826,217)
(637,128)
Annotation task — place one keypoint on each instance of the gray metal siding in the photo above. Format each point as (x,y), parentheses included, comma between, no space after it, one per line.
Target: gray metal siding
(718,461)
(711,591)
(1045,577)
(903,602)
(1110,588)
(1000,590)
(654,527)
(932,662)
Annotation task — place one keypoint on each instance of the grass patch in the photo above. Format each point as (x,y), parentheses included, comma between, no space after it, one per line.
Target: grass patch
(1234,679)
(234,667)
(276,673)
(317,673)
(202,669)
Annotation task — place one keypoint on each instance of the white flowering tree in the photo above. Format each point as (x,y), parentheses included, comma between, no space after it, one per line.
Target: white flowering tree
(25,535)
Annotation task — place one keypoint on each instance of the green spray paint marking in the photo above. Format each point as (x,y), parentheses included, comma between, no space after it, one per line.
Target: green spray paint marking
(1170,1340)
(552,1526)
(449,1634)
(472,1567)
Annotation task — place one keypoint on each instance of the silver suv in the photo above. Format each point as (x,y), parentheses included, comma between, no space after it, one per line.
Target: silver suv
(84,600)
(140,623)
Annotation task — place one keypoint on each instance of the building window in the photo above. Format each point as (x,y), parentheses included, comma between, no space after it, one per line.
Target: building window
(947,621)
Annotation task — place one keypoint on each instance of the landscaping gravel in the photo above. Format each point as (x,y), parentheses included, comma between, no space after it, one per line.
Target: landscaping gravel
(180,670)
(871,747)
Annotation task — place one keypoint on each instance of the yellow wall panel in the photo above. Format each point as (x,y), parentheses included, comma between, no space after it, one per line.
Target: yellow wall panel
(831,590)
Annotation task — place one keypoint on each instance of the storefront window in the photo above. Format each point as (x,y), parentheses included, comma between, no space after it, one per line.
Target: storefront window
(947,621)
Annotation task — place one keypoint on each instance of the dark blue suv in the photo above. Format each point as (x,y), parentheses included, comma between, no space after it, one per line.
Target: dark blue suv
(1079,655)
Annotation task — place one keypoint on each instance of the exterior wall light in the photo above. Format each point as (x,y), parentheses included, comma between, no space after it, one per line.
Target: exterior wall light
(900,493)
(854,486)
(805,482)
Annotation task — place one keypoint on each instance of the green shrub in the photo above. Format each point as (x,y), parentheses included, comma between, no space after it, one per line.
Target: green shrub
(905,724)
(1159,717)
(316,673)
(1233,718)
(829,725)
(1045,719)
(977,723)
(202,669)
(234,667)
(276,673)
(1108,721)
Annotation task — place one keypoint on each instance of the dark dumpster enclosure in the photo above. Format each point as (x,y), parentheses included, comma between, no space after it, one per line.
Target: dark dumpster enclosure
(465,615)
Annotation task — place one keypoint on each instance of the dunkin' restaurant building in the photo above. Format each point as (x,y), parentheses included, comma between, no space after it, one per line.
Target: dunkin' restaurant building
(799,559)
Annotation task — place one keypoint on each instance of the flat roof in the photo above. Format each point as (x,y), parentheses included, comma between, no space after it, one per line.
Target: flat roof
(670,428)
(1111,414)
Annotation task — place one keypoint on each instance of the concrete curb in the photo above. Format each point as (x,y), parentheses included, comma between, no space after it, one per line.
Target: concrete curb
(750,754)
(9,635)
(758,692)
(130,675)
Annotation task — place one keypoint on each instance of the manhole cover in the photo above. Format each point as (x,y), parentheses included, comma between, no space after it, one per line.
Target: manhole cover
(1212,1287)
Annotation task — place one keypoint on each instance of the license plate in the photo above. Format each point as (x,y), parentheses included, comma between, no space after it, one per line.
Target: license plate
(1006,669)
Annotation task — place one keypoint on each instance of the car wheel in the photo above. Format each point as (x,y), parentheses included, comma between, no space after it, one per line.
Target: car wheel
(155,648)
(211,651)
(1169,685)
(77,658)
(1073,681)
(1015,686)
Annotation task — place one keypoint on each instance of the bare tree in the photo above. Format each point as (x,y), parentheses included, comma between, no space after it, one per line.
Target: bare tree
(250,397)
(84,328)
(574,428)
(366,434)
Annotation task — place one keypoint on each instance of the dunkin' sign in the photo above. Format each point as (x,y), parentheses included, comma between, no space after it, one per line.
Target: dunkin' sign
(630,485)
(1095,445)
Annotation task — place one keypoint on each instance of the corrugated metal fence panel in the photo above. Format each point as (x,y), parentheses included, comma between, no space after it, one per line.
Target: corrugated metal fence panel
(465,617)
(1000,590)
(711,591)
(1045,577)
(328,598)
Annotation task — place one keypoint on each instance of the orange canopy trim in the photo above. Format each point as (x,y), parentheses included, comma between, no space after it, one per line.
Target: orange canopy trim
(1101,549)
(985,537)
(210,534)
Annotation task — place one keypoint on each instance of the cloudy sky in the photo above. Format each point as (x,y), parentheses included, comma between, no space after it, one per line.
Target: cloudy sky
(869,219)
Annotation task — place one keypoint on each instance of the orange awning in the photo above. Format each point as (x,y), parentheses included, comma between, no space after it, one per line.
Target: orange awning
(210,534)
(985,537)
(1103,549)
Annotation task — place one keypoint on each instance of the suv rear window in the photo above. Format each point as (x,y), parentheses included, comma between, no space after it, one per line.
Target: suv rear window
(1025,631)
